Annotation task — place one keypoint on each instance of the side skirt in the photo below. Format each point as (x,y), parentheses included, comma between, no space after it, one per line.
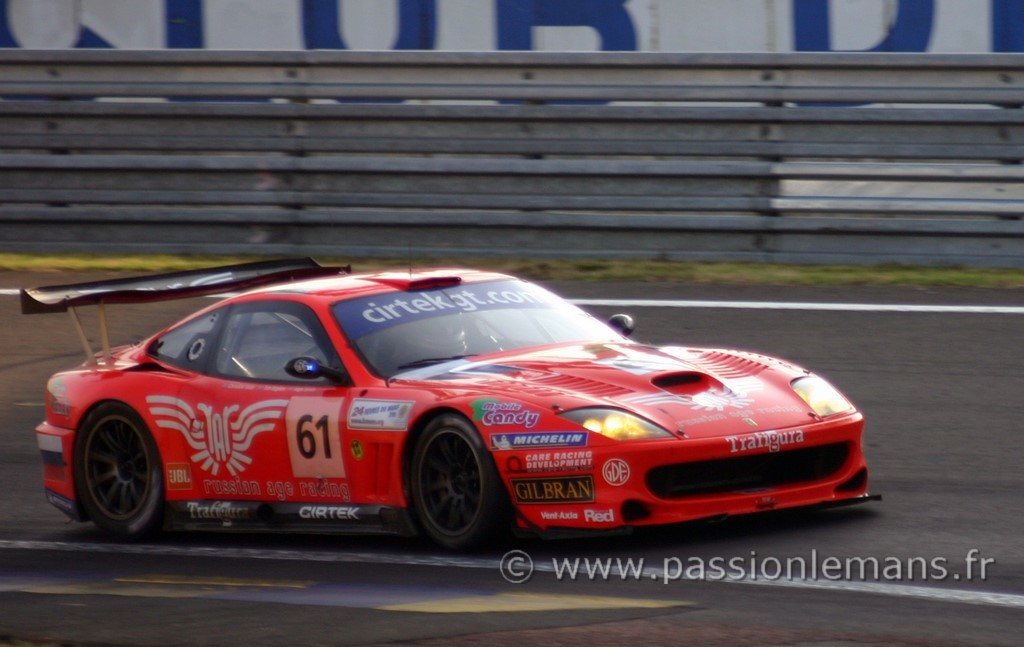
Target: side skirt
(71,508)
(256,516)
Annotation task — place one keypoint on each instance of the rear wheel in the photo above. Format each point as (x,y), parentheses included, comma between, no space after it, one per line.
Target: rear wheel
(456,490)
(118,473)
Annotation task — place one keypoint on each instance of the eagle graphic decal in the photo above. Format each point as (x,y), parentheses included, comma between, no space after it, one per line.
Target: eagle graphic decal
(220,440)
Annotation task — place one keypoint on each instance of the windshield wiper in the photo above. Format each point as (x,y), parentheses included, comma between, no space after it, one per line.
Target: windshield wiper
(427,361)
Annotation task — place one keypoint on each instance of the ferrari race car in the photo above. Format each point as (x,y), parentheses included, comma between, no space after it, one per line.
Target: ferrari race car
(456,403)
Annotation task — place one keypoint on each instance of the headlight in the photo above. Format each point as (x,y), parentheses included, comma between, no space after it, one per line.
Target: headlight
(820,396)
(616,424)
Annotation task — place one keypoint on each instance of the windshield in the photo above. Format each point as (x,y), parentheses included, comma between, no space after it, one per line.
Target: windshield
(399,331)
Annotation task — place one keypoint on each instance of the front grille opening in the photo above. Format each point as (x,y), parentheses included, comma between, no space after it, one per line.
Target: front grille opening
(728,475)
(634,510)
(857,482)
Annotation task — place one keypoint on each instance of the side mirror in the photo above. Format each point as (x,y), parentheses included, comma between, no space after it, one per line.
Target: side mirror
(622,324)
(308,368)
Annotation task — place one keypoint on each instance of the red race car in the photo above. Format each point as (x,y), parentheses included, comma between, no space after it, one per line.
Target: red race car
(456,403)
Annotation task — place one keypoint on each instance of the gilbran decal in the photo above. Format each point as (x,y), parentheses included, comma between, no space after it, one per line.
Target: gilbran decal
(578,489)
(220,440)
(773,441)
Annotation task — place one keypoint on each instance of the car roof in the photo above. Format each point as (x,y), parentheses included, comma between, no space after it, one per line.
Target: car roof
(336,288)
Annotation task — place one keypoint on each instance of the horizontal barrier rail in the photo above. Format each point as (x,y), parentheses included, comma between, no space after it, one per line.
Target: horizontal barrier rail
(789,157)
(989,78)
(780,132)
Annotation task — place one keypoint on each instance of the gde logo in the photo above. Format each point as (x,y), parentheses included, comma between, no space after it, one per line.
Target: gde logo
(615,472)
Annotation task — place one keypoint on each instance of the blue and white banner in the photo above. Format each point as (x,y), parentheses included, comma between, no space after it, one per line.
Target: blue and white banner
(491,25)
(359,317)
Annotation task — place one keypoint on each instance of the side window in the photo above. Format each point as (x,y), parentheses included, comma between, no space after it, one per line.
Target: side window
(260,339)
(188,345)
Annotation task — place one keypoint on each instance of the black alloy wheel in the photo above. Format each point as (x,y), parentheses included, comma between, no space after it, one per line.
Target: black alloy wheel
(457,493)
(118,474)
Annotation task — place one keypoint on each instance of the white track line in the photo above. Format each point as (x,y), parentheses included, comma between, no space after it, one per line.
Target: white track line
(766,305)
(788,305)
(960,596)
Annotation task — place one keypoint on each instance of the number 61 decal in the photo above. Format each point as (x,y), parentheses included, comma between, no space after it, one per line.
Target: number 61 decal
(314,442)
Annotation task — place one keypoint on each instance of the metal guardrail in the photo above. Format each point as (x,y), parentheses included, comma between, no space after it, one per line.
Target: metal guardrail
(338,153)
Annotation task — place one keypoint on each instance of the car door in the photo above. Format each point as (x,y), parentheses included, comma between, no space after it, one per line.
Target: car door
(265,434)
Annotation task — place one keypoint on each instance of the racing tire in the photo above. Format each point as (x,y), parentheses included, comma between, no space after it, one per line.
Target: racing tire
(118,473)
(457,494)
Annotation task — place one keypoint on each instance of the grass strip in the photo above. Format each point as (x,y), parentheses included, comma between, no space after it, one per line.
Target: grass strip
(571,270)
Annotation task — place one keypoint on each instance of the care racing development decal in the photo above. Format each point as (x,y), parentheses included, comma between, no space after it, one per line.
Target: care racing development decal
(575,460)
(220,440)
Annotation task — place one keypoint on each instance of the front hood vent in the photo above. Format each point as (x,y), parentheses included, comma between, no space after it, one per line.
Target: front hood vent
(683,382)
(731,364)
(583,385)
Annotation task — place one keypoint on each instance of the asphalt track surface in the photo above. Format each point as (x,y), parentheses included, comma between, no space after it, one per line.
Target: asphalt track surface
(942,393)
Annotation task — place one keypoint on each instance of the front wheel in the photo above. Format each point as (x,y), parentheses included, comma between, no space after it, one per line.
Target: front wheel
(456,490)
(118,473)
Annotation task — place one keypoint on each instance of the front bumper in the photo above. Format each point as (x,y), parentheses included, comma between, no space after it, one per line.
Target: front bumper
(632,484)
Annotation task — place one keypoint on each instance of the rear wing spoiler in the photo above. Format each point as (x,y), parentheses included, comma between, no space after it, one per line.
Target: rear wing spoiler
(165,287)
